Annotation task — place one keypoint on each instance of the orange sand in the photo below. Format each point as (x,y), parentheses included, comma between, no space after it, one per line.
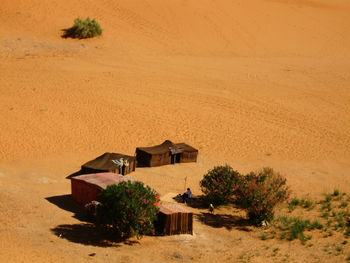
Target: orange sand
(250,83)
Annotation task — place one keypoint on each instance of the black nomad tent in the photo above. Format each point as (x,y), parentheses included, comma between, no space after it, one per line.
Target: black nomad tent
(110,162)
(165,153)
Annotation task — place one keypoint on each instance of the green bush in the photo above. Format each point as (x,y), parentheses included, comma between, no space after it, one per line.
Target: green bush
(129,209)
(218,184)
(83,29)
(260,192)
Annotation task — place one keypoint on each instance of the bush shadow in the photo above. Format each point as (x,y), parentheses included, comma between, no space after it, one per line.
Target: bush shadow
(224,220)
(89,234)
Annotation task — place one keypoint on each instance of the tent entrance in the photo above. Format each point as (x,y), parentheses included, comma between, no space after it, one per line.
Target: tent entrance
(121,170)
(175,153)
(175,158)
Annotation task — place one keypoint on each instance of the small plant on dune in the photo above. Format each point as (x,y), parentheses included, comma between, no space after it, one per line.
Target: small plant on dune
(309,204)
(343,204)
(325,215)
(316,225)
(328,198)
(258,193)
(293,204)
(218,184)
(327,206)
(83,29)
(293,228)
(336,192)
(341,222)
(128,209)
(296,229)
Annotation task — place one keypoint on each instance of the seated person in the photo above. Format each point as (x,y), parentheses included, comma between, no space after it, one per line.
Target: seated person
(187,195)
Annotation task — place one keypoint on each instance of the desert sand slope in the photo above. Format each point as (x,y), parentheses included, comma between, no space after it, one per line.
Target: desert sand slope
(249,82)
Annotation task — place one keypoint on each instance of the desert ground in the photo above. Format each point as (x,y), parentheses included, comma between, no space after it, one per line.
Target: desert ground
(250,83)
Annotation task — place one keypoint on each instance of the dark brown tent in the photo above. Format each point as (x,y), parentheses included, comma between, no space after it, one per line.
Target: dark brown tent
(165,153)
(86,187)
(174,219)
(110,162)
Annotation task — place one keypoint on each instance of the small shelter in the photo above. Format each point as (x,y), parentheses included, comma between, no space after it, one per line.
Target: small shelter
(110,162)
(165,153)
(174,219)
(86,187)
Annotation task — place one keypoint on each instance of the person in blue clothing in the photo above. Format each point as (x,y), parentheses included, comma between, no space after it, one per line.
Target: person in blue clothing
(187,195)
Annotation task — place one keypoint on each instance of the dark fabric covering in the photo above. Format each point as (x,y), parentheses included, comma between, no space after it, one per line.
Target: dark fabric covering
(104,163)
(164,148)
(186,147)
(174,219)
(165,153)
(158,149)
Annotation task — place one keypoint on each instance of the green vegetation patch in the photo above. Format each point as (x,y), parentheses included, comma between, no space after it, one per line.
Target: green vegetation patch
(83,29)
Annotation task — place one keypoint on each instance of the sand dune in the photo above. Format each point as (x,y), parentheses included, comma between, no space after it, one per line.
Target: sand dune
(251,83)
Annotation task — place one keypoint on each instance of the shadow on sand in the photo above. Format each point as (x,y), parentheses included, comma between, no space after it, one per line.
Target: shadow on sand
(65,202)
(88,234)
(223,220)
(84,233)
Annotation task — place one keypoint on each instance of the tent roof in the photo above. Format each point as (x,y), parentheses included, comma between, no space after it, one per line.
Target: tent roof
(104,162)
(186,147)
(157,149)
(164,147)
(102,180)
(172,208)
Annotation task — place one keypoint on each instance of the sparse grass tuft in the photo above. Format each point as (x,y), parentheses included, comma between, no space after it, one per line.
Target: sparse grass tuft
(305,203)
(325,215)
(336,192)
(339,249)
(263,236)
(341,221)
(326,206)
(295,228)
(293,204)
(309,204)
(343,204)
(328,198)
(177,255)
(316,225)
(275,251)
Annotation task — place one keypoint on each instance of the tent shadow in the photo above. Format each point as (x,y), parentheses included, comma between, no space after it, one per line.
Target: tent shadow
(224,220)
(65,202)
(88,234)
